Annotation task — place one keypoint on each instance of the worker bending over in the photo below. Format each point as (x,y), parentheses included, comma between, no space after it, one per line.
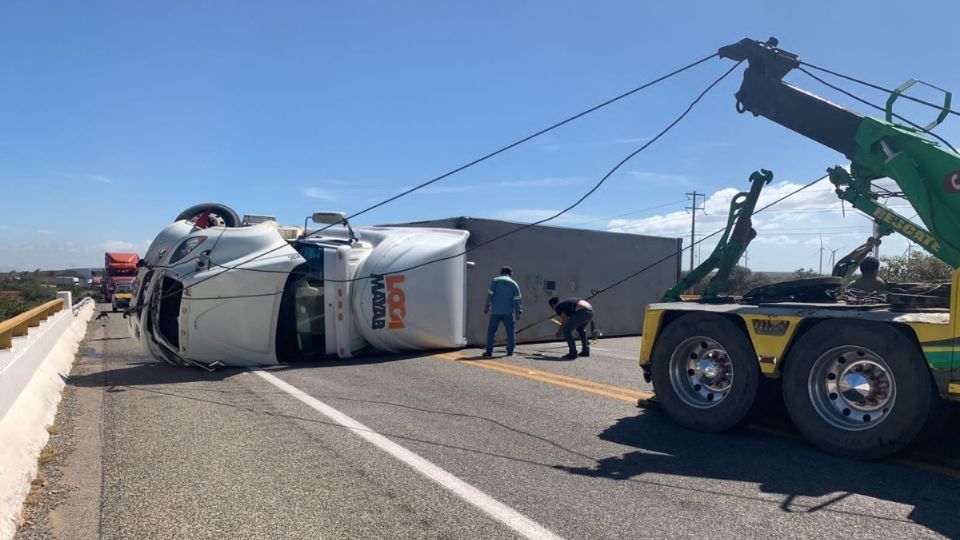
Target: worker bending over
(575,314)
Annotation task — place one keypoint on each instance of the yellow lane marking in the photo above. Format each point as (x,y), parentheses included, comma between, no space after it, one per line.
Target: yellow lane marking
(541,373)
(929,467)
(628,395)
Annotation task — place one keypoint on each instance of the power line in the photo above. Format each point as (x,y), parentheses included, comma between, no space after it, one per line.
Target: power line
(583,197)
(531,136)
(664,205)
(805,210)
(697,243)
(492,154)
(647,144)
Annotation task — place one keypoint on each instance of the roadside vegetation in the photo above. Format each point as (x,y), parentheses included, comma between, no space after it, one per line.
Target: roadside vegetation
(22,291)
(917,267)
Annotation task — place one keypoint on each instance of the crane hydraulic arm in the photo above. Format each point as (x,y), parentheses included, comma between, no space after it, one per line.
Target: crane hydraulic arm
(927,174)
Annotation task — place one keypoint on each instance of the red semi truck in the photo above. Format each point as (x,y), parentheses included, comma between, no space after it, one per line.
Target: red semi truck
(117,267)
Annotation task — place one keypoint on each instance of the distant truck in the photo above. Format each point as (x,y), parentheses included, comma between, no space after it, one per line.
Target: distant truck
(117,267)
(66,281)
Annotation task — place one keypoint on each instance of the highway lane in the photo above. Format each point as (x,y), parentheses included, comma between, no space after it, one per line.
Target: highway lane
(186,454)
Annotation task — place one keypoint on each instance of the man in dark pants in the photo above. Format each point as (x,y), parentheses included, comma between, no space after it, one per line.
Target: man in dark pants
(575,314)
(504,300)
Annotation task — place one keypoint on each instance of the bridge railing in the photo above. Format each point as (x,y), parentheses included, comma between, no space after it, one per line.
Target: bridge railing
(20,325)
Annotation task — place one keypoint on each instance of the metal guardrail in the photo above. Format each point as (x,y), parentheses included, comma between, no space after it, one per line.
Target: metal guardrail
(83,301)
(19,325)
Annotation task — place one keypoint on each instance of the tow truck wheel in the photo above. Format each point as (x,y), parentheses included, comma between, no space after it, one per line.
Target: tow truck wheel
(857,389)
(705,372)
(218,215)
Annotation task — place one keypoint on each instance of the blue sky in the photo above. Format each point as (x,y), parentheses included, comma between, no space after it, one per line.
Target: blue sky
(115,116)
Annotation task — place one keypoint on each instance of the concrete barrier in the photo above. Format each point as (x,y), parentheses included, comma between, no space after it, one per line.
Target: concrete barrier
(32,374)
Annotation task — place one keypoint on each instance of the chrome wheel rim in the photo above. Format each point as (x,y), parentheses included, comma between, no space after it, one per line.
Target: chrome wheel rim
(852,388)
(701,372)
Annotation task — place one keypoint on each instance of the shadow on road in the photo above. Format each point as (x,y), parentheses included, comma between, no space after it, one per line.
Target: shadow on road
(148,374)
(794,472)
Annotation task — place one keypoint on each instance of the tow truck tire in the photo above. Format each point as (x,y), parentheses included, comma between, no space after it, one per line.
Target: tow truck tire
(857,389)
(230,218)
(705,372)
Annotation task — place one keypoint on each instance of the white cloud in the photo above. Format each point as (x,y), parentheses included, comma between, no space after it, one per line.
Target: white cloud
(45,232)
(99,178)
(788,232)
(778,239)
(717,208)
(49,254)
(116,245)
(317,193)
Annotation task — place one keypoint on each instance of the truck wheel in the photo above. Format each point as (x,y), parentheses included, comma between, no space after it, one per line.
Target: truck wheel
(220,215)
(857,389)
(705,372)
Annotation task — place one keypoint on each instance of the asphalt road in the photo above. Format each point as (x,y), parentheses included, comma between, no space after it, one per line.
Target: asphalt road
(434,446)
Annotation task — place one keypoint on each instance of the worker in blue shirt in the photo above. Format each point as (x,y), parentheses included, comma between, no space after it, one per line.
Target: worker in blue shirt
(503,305)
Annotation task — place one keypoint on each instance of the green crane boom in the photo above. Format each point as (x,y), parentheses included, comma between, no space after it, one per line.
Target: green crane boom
(927,173)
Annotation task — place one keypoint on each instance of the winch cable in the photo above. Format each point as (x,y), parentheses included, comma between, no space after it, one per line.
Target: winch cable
(239,266)
(579,201)
(582,198)
(878,107)
(597,292)
(880,88)
(530,137)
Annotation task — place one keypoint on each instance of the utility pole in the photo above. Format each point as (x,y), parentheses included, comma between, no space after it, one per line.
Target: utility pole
(693,219)
(746,259)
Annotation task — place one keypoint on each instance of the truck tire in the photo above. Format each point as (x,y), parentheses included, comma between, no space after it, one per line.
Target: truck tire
(705,372)
(229,217)
(857,389)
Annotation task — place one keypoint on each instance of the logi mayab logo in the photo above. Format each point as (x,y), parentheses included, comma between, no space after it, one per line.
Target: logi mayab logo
(388,304)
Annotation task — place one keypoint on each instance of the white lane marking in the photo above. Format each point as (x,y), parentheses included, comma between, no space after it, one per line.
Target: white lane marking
(520,523)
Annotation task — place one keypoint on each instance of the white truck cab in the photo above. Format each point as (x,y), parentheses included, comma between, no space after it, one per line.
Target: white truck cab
(256,293)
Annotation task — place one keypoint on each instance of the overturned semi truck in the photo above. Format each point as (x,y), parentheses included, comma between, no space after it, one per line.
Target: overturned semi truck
(215,290)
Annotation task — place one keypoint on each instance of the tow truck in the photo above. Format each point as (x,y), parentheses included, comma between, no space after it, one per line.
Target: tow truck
(859,375)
